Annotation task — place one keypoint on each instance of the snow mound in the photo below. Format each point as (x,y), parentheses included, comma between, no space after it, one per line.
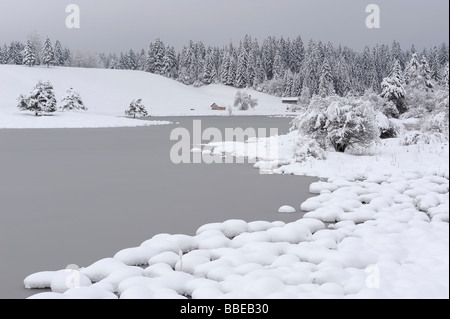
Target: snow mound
(388,239)
(287,210)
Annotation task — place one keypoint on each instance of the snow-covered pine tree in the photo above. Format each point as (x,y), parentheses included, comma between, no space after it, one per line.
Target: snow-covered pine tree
(326,86)
(413,73)
(151,59)
(72,101)
(342,72)
(297,55)
(260,74)
(397,54)
(132,61)
(141,60)
(288,84)
(209,72)
(241,72)
(311,67)
(123,62)
(15,53)
(29,55)
(48,56)
(445,78)
(136,109)
(41,100)
(170,63)
(4,55)
(59,54)
(297,81)
(278,66)
(66,56)
(159,51)
(436,75)
(392,87)
(425,73)
(443,54)
(305,98)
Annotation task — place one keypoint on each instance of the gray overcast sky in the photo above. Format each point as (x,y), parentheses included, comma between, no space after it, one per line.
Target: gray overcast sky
(114,25)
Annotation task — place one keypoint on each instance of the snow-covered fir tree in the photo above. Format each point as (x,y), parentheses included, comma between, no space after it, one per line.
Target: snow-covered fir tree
(326,86)
(132,61)
(136,109)
(41,100)
(418,74)
(241,75)
(59,54)
(305,98)
(170,63)
(48,56)
(29,55)
(445,78)
(209,73)
(72,101)
(392,87)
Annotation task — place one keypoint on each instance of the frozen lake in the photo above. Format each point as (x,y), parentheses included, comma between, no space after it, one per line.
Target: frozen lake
(77,195)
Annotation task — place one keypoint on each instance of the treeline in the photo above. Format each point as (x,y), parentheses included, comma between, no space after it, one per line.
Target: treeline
(277,66)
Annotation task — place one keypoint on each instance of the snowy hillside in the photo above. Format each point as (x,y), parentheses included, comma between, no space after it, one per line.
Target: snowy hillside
(109,92)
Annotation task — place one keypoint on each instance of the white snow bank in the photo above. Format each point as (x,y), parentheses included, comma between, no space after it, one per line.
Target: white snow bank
(16,120)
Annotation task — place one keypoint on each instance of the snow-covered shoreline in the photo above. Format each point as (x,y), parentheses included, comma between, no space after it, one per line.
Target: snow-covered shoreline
(388,238)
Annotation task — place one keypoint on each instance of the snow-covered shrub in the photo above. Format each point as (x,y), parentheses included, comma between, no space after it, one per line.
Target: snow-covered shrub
(72,101)
(230,110)
(136,109)
(311,122)
(307,148)
(417,138)
(340,122)
(419,103)
(385,110)
(351,122)
(41,100)
(436,123)
(387,128)
(244,101)
(383,105)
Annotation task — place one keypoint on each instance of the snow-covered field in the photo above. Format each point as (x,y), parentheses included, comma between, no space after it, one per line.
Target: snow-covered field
(379,228)
(108,93)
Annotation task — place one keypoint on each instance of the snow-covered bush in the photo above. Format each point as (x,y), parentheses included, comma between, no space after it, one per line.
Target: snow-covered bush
(72,101)
(136,109)
(311,121)
(417,138)
(385,106)
(340,122)
(434,129)
(385,110)
(41,100)
(387,128)
(244,101)
(351,122)
(307,148)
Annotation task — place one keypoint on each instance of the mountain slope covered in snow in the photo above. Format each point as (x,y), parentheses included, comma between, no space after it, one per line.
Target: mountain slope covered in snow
(109,93)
